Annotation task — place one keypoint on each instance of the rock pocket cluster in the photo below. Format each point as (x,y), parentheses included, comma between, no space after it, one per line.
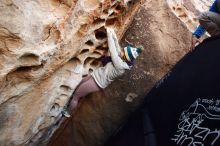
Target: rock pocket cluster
(43,43)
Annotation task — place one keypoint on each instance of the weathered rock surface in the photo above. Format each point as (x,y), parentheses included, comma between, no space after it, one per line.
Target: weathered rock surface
(43,43)
(188,10)
(166,39)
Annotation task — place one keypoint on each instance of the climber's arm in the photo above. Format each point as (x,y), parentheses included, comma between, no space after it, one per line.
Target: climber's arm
(118,48)
(116,60)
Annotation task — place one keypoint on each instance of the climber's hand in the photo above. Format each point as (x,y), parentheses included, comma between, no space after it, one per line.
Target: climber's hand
(194,42)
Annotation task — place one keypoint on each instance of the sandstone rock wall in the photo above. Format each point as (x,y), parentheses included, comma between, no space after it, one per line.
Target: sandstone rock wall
(188,10)
(166,39)
(43,43)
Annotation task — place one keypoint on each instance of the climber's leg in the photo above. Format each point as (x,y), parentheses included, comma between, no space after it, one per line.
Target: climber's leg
(86,87)
(86,78)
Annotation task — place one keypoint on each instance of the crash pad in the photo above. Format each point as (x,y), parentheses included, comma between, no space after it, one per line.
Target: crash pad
(183,108)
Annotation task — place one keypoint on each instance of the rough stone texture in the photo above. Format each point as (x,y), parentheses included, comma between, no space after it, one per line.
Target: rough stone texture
(188,10)
(43,43)
(166,39)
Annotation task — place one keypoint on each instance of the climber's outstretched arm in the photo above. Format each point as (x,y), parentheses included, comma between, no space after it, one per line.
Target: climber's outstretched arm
(117,61)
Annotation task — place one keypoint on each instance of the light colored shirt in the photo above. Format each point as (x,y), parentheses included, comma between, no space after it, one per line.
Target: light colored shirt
(105,75)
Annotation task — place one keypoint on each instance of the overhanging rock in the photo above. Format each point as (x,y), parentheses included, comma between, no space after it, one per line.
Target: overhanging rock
(42,43)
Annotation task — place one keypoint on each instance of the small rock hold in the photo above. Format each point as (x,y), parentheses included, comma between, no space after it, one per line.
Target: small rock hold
(130,97)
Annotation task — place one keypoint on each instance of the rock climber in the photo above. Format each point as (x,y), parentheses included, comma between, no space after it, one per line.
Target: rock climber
(209,21)
(113,66)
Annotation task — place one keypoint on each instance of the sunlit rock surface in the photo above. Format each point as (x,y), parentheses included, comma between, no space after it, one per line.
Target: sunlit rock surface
(188,10)
(42,44)
(45,42)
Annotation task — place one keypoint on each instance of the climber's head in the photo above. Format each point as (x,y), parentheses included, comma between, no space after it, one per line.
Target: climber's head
(131,53)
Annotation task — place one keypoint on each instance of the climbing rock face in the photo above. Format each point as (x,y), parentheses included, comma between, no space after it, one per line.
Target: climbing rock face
(45,49)
(47,46)
(166,38)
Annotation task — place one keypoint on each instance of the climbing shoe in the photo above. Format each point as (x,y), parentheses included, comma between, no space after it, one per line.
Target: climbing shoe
(65,113)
